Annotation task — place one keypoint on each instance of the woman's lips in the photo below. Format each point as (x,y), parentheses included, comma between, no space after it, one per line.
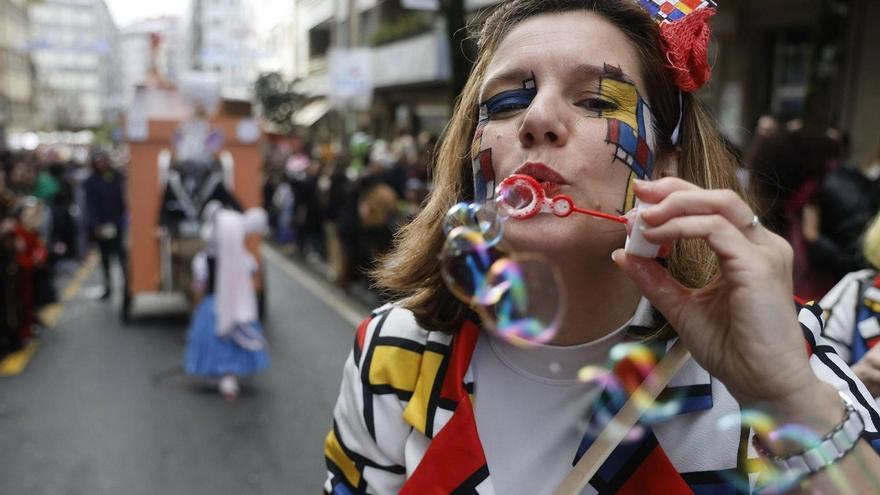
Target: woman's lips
(551,181)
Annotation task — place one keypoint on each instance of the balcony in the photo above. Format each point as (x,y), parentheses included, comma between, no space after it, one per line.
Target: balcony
(416,60)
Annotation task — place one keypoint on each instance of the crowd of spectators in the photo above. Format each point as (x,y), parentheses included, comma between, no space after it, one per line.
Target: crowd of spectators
(39,227)
(343,208)
(812,193)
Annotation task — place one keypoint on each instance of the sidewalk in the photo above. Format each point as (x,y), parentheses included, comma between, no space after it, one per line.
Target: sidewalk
(69,277)
(358,291)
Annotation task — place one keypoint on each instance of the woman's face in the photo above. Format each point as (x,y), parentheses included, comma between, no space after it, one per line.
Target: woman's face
(562,102)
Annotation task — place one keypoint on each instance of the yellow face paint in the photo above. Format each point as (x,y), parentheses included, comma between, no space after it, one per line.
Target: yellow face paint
(626,98)
(630,127)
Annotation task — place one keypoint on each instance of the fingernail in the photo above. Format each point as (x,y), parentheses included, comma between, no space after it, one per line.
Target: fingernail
(617,255)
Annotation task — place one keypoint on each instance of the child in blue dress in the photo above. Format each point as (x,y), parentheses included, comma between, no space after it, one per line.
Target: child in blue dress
(225,339)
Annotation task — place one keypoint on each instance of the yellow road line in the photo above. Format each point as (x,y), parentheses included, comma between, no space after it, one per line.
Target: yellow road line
(16,362)
(52,313)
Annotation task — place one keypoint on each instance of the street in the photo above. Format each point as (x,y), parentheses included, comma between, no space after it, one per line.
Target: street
(103,408)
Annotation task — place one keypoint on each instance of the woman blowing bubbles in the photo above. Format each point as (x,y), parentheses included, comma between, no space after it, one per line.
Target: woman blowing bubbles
(577,95)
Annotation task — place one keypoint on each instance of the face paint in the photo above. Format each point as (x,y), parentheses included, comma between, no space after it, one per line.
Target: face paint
(673,10)
(630,127)
(506,101)
(484,175)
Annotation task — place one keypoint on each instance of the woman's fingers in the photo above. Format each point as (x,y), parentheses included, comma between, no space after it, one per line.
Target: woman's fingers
(687,202)
(656,191)
(673,197)
(726,240)
(655,282)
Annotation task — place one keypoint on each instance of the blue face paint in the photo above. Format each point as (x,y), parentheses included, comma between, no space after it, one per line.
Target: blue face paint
(511,100)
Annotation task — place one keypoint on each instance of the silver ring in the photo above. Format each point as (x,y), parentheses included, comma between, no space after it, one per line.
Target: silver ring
(754,223)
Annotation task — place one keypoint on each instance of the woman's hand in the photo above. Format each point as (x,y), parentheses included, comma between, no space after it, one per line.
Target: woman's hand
(742,327)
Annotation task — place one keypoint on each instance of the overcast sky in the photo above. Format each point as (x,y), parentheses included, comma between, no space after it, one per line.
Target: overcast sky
(127,11)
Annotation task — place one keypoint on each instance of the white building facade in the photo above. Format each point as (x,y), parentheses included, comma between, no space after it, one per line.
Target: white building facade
(410,75)
(276,31)
(221,40)
(74,50)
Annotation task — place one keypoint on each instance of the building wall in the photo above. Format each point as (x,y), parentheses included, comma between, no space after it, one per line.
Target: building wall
(16,84)
(74,52)
(224,44)
(760,43)
(276,38)
(863,100)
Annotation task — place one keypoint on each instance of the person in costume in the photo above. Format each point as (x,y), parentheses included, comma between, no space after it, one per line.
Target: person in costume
(196,177)
(593,98)
(225,339)
(853,310)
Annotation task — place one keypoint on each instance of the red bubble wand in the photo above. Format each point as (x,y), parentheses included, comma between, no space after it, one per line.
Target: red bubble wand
(522,197)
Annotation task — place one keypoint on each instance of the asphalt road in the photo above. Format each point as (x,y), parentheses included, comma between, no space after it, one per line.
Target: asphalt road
(102,408)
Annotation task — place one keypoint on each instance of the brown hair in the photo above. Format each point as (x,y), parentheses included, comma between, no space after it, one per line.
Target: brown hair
(412,269)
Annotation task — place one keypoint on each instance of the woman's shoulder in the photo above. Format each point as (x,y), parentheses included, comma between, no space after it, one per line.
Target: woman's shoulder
(847,288)
(393,328)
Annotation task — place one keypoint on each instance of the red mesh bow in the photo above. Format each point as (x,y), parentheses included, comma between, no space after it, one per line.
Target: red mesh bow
(686,43)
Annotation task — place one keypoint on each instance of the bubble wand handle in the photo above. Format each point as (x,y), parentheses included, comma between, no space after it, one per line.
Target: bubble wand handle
(599,214)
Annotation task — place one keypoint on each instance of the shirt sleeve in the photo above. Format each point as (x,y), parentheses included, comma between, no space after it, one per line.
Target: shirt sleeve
(840,306)
(358,460)
(831,368)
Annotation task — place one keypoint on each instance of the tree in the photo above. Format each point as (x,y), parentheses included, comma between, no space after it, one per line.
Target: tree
(279,99)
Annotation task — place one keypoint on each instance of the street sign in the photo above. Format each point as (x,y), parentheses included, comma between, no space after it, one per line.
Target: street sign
(351,78)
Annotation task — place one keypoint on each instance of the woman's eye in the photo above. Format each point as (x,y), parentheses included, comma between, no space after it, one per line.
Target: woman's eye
(502,105)
(598,104)
(500,110)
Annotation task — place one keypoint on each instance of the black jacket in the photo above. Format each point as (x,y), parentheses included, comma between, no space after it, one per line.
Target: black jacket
(847,201)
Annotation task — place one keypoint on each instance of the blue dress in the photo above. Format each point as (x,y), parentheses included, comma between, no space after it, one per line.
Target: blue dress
(207,355)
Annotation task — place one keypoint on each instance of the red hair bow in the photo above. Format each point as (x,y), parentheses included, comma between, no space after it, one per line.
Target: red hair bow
(686,43)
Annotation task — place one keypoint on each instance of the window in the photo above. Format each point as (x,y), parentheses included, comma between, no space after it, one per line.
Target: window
(791,66)
(319,40)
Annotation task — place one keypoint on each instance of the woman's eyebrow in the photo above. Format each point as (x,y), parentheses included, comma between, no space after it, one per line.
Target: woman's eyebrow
(606,70)
(507,77)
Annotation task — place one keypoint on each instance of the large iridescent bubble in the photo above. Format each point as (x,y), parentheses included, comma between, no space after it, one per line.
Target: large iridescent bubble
(630,366)
(521,299)
(483,219)
(465,261)
(518,297)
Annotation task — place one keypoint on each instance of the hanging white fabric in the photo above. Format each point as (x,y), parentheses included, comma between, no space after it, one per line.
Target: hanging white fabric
(236,299)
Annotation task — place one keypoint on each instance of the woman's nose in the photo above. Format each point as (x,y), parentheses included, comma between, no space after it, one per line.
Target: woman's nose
(543,124)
